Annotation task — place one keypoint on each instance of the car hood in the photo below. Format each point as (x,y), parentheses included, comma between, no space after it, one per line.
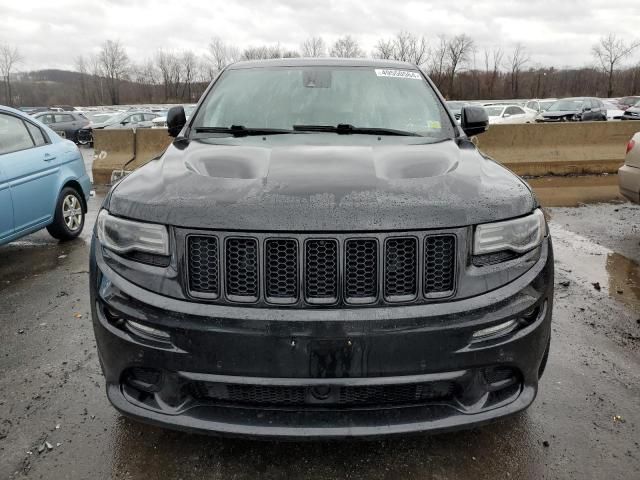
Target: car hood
(321,187)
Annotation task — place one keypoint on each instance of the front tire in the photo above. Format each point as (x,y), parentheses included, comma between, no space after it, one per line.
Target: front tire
(68,220)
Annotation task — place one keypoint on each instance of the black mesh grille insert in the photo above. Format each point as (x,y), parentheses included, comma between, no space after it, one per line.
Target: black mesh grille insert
(281,268)
(439,259)
(361,269)
(321,269)
(242,267)
(340,396)
(400,268)
(203,264)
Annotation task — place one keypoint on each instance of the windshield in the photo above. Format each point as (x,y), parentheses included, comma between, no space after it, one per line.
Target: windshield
(494,111)
(566,105)
(100,117)
(365,97)
(544,105)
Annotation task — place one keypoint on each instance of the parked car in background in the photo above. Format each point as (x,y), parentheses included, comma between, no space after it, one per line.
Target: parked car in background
(66,124)
(33,110)
(613,110)
(575,109)
(540,105)
(500,113)
(62,108)
(626,102)
(43,181)
(629,173)
(129,119)
(456,108)
(632,113)
(161,121)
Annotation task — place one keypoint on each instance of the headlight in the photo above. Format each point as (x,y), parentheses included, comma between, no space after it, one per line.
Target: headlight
(121,235)
(518,235)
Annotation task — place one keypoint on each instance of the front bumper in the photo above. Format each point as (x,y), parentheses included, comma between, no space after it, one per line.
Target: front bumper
(629,181)
(325,373)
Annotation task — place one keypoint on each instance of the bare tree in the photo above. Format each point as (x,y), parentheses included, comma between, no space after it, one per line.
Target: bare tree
(492,65)
(609,52)
(81,68)
(9,57)
(145,76)
(439,61)
(114,61)
(220,55)
(313,47)
(189,66)
(458,51)
(518,59)
(346,47)
(405,47)
(97,78)
(171,71)
(384,49)
(263,52)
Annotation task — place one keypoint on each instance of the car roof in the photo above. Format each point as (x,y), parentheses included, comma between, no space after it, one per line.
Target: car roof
(14,110)
(324,62)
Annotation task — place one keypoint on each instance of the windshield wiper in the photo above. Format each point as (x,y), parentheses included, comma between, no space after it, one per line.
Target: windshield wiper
(242,131)
(348,129)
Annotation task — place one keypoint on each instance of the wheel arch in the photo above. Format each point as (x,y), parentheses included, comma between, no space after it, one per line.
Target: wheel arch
(78,188)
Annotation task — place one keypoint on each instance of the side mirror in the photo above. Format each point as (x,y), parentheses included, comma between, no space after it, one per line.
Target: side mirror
(176,119)
(474,120)
(506,115)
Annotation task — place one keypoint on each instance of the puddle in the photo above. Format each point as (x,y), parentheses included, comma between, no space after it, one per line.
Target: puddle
(574,191)
(587,262)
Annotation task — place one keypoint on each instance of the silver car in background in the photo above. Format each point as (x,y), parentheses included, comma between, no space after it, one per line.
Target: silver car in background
(629,173)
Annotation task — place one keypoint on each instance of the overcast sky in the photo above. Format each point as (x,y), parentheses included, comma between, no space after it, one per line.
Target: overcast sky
(50,34)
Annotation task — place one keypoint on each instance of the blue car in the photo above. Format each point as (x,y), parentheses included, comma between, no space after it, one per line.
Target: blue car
(43,181)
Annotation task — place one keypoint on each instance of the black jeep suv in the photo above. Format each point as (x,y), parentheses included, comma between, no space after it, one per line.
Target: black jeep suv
(321,252)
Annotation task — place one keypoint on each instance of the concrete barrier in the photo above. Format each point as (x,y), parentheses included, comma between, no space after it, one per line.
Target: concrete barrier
(559,149)
(150,143)
(529,149)
(113,149)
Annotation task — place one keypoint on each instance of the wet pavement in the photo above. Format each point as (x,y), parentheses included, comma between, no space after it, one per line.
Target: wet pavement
(55,421)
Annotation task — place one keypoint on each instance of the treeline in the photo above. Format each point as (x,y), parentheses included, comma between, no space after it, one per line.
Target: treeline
(459,68)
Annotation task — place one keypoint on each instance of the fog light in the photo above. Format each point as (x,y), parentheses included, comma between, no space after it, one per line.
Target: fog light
(496,330)
(146,331)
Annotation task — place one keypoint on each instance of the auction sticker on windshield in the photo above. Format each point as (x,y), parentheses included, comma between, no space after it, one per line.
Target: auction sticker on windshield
(387,72)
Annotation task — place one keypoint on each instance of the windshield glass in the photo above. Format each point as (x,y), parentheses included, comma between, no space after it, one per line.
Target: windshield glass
(494,111)
(544,105)
(365,97)
(566,105)
(100,117)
